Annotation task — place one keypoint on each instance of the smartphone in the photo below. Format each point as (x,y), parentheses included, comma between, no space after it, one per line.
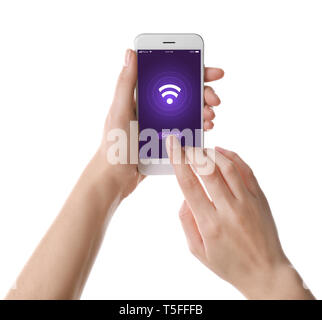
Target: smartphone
(169,96)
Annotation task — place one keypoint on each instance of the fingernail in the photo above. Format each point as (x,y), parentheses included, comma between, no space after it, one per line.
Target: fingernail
(172,143)
(127,57)
(212,113)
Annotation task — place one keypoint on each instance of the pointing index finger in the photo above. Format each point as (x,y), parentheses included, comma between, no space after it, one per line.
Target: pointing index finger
(193,191)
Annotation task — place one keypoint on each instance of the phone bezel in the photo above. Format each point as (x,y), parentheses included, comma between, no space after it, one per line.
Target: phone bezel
(174,41)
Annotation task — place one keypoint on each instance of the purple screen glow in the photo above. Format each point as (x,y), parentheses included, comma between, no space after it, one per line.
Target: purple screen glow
(169,91)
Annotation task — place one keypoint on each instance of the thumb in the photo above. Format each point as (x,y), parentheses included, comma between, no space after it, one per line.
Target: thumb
(124,93)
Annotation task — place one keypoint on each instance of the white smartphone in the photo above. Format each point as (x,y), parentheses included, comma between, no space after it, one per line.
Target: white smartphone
(169,96)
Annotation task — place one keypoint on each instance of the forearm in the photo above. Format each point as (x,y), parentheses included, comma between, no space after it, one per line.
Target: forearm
(60,265)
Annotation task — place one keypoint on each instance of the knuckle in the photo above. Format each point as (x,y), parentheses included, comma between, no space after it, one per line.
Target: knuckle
(249,172)
(240,219)
(234,155)
(212,230)
(189,182)
(229,168)
(194,250)
(183,213)
(122,77)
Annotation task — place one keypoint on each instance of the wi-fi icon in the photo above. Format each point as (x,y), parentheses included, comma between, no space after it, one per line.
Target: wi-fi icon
(169,92)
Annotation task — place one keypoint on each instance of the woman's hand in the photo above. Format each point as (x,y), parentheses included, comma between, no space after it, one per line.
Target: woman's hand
(233,232)
(122,111)
(60,265)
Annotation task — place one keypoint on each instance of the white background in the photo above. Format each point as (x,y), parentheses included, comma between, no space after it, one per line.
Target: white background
(59,61)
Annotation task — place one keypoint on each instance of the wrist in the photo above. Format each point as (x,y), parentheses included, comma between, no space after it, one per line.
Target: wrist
(281,282)
(100,185)
(113,174)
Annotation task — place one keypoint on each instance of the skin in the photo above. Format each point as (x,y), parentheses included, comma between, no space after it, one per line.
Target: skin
(233,233)
(60,265)
(231,230)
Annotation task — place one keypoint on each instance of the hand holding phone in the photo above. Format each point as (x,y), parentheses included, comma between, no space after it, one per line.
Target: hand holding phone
(123,110)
